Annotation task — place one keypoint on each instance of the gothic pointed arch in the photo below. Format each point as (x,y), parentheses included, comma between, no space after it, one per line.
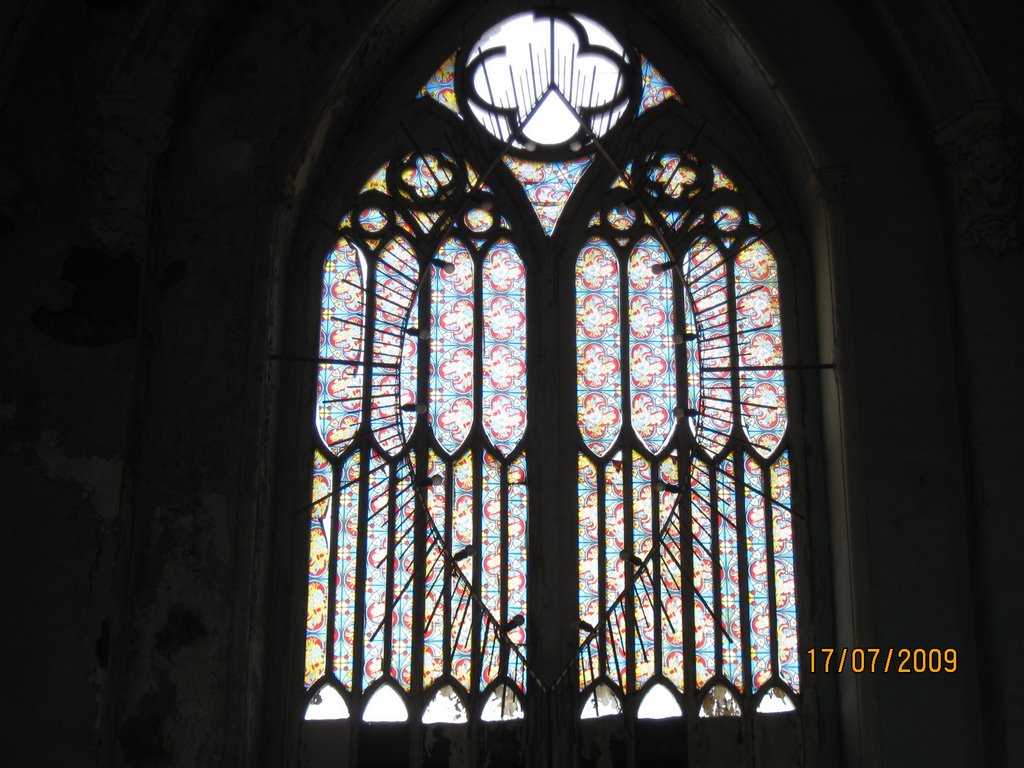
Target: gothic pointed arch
(550,149)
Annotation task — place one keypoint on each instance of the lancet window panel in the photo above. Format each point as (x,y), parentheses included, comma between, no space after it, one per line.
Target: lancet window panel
(686,573)
(419,511)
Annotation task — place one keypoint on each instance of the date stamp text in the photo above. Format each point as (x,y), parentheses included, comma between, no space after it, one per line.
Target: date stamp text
(900,660)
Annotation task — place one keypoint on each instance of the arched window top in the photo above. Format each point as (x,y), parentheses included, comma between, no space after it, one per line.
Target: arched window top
(545,86)
(672,373)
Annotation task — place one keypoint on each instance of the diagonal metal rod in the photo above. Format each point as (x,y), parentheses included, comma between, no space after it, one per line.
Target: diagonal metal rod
(472,594)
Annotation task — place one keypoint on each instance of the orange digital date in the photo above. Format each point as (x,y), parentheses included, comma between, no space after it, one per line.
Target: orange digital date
(904,660)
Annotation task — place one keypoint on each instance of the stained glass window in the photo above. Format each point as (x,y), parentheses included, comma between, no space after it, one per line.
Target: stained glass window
(419,513)
(422,500)
(681,389)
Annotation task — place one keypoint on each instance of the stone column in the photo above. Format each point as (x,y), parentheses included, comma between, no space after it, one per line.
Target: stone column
(982,150)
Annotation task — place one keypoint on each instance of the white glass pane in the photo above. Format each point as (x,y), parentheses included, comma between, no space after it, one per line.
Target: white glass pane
(385,706)
(776,700)
(327,704)
(602,703)
(719,702)
(445,707)
(502,704)
(658,704)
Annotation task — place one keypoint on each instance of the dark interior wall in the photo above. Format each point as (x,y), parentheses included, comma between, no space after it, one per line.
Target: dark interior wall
(160,164)
(69,349)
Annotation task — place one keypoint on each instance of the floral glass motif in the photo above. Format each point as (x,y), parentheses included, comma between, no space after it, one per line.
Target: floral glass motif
(655,89)
(599,406)
(784,571)
(548,185)
(441,86)
(346,551)
(340,376)
(504,347)
(451,356)
(411,280)
(704,350)
(319,562)
(762,380)
(435,608)
(652,359)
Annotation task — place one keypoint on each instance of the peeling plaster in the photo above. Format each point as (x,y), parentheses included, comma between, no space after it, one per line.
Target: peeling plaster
(99,478)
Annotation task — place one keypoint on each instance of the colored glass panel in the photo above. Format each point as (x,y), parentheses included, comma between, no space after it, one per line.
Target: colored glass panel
(404,224)
(547,185)
(672,176)
(378,181)
(478,220)
(598,346)
(435,607)
(424,176)
(701,526)
(709,357)
(673,658)
(644,607)
(727,218)
(614,570)
(452,335)
(462,537)
(721,181)
(403,566)
(340,384)
(318,576)
(654,88)
(762,379)
(408,374)
(491,540)
(504,347)
(785,579)
(652,358)
(588,539)
(729,575)
(758,573)
(396,274)
(515,585)
(375,571)
(373,220)
(621,218)
(345,551)
(441,86)
(425,220)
